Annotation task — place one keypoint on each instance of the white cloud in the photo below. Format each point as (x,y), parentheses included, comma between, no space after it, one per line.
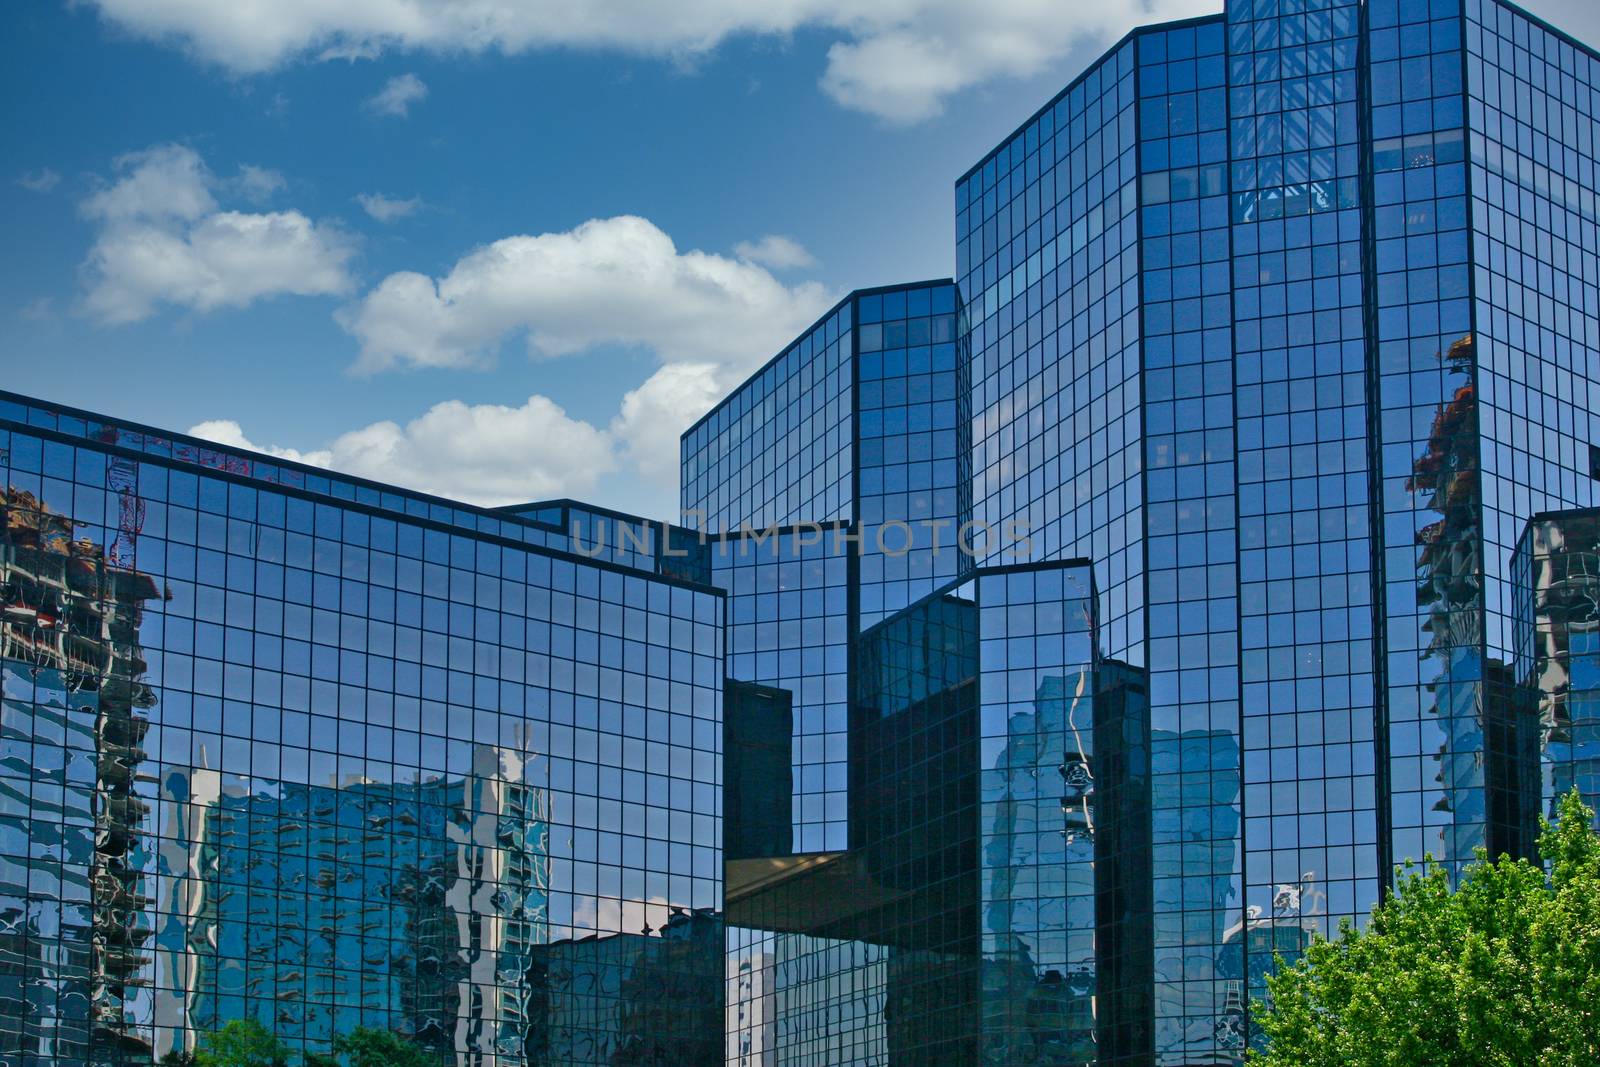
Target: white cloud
(166,181)
(163,239)
(617,281)
(40,181)
(388,208)
(229,433)
(898,59)
(493,455)
(397,96)
(654,415)
(709,319)
(485,454)
(776,251)
(258,184)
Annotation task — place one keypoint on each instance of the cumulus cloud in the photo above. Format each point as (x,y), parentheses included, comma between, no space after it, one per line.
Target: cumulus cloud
(39,181)
(654,415)
(388,208)
(898,59)
(230,434)
(708,318)
(258,184)
(487,454)
(617,281)
(164,239)
(776,251)
(397,96)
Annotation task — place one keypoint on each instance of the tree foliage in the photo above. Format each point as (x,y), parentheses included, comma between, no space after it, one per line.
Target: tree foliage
(242,1043)
(366,1047)
(1503,970)
(246,1043)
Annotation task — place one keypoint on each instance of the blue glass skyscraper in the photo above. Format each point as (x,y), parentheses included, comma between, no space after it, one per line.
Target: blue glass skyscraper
(1285,321)
(1253,299)
(1043,651)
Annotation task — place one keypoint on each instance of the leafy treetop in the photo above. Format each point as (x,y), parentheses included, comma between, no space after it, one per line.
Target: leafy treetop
(1504,970)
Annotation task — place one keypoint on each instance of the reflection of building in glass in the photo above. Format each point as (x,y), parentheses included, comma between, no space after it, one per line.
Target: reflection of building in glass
(414,904)
(1269,336)
(74,722)
(1444,486)
(333,754)
(979,745)
(757,771)
(630,1000)
(1558,640)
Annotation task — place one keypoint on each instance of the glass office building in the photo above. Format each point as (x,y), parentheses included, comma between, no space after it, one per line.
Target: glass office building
(854,430)
(1286,322)
(285,745)
(1043,650)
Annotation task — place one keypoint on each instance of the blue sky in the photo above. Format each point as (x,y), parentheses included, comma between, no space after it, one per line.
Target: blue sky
(496,249)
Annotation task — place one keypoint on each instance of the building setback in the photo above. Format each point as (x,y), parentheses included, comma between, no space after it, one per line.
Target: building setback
(1042,650)
(1284,323)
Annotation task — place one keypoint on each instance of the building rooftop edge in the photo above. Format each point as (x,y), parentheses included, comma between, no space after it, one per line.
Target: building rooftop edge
(851,295)
(256,457)
(1153,27)
(377,510)
(1592,51)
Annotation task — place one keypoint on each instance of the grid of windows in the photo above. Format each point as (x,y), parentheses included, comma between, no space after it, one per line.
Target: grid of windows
(1531,105)
(805,1001)
(1047,265)
(910,441)
(778,450)
(788,628)
(1190,541)
(1427,427)
(1286,319)
(1041,778)
(1305,545)
(326,764)
(1557,590)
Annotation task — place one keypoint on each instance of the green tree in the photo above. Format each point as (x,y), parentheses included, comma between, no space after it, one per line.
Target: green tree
(242,1043)
(367,1047)
(1504,970)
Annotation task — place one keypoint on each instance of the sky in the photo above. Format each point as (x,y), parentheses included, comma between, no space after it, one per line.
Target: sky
(498,250)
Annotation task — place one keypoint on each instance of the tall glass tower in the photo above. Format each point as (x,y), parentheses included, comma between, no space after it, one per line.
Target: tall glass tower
(1284,322)
(1287,321)
(1043,651)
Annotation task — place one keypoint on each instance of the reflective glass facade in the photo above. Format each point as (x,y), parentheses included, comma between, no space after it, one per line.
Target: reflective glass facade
(1557,588)
(781,448)
(1308,731)
(1042,652)
(1356,326)
(307,750)
(868,401)
(1285,320)
(788,632)
(961,924)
